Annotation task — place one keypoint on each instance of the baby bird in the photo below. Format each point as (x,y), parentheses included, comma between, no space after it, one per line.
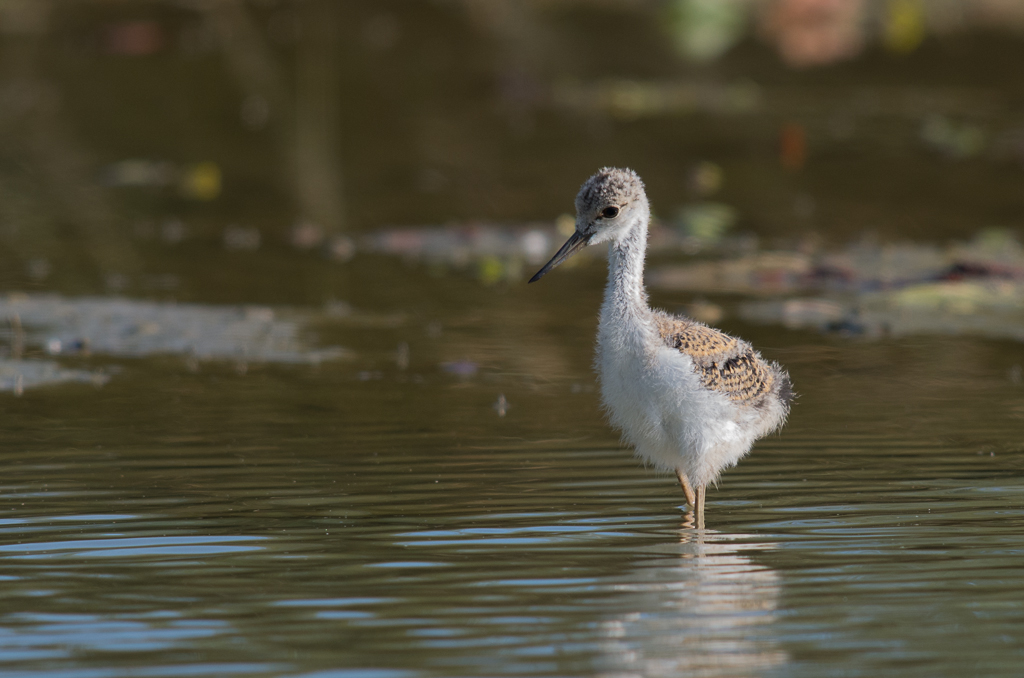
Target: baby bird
(687,397)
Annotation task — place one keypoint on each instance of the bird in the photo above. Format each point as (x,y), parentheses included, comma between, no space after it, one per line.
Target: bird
(688,398)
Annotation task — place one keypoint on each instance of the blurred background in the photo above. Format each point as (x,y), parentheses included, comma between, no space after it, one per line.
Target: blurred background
(140,138)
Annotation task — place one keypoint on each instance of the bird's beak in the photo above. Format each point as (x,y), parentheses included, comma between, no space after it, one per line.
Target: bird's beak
(574,244)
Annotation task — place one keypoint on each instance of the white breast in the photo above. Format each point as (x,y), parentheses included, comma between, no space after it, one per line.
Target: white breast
(653,395)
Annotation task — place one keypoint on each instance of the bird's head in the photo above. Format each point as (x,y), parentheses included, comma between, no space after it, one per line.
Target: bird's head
(609,205)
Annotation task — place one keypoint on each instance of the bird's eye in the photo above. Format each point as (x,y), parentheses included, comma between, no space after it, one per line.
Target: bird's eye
(610,212)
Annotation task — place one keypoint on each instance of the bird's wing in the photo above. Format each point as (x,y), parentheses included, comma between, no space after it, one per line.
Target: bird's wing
(724,363)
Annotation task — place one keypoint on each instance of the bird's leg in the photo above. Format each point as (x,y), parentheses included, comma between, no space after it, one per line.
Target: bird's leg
(687,489)
(699,507)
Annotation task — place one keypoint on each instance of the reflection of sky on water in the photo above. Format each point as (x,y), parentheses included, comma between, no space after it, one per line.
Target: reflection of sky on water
(52,636)
(677,605)
(695,608)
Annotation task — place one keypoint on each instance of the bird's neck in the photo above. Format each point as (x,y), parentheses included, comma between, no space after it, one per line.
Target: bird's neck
(625,299)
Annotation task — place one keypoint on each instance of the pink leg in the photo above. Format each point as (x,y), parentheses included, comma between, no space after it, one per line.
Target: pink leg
(699,508)
(691,498)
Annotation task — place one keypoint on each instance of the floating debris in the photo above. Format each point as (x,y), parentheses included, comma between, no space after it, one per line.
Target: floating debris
(135,328)
(988,308)
(861,268)
(497,253)
(874,290)
(798,313)
(18,375)
(494,253)
(460,245)
(867,289)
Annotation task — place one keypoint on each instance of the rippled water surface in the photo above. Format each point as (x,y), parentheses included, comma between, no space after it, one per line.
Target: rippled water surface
(376,516)
(276,400)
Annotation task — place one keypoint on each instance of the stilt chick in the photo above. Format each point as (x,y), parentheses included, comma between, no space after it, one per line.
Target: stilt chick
(687,397)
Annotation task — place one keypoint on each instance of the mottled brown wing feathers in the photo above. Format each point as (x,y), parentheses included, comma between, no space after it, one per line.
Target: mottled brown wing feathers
(743,378)
(698,341)
(724,363)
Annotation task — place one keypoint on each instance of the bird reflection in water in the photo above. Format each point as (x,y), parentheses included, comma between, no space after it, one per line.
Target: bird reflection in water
(695,607)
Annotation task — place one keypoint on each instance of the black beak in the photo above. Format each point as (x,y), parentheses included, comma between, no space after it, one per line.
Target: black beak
(574,244)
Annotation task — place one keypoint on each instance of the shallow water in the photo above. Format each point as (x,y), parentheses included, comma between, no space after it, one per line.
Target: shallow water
(355,518)
(277,401)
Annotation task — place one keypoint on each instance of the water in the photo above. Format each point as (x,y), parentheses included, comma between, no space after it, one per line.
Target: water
(355,518)
(256,421)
